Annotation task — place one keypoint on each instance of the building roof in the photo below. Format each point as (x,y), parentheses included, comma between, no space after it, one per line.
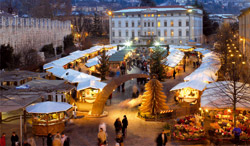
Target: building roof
(19,75)
(119,56)
(158,8)
(47,85)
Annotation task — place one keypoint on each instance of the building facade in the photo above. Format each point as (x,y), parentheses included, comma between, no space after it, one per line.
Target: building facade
(32,33)
(244,33)
(167,24)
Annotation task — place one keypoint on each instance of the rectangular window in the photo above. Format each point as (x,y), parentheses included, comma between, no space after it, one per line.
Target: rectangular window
(159,33)
(172,23)
(145,15)
(119,23)
(165,24)
(126,24)
(165,33)
(180,33)
(149,33)
(187,33)
(153,32)
(179,23)
(152,15)
(172,33)
(120,34)
(127,34)
(159,24)
(139,24)
(179,14)
(152,24)
(139,15)
(132,15)
(187,23)
(145,24)
(148,24)
(133,24)
(113,24)
(113,34)
(172,14)
(159,15)
(133,34)
(139,33)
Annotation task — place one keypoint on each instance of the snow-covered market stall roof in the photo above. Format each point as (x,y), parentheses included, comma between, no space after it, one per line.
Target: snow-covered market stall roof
(194,84)
(218,95)
(182,48)
(208,69)
(174,58)
(90,84)
(48,107)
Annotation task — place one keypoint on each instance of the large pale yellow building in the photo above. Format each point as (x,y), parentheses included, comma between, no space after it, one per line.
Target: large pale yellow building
(244,33)
(27,33)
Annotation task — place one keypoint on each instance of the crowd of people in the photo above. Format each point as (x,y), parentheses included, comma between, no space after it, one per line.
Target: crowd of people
(120,130)
(56,140)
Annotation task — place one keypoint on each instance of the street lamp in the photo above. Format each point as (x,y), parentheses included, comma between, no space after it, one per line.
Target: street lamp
(157,44)
(128,43)
(110,25)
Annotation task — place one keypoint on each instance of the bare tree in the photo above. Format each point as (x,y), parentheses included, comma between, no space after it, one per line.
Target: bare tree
(234,90)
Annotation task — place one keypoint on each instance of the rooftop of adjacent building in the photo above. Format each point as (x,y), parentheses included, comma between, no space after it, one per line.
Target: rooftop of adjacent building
(157,8)
(244,11)
(18,75)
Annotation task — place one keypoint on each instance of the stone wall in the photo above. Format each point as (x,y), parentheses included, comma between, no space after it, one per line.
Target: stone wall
(26,33)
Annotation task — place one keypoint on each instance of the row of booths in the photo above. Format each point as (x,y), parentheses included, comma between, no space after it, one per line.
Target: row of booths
(194,84)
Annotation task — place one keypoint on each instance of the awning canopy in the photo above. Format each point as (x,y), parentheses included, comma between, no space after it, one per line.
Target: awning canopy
(174,58)
(90,84)
(194,84)
(208,69)
(119,56)
(13,100)
(48,107)
(57,71)
(180,47)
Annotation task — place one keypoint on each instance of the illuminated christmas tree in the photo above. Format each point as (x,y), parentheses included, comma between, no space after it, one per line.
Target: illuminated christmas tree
(153,100)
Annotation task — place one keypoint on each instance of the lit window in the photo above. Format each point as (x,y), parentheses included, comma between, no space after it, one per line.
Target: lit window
(145,15)
(180,41)
(153,32)
(159,15)
(152,15)
(165,33)
(159,24)
(149,32)
(172,33)
(148,15)
(172,23)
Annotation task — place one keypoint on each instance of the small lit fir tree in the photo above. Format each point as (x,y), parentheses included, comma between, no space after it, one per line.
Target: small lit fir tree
(153,100)
(103,67)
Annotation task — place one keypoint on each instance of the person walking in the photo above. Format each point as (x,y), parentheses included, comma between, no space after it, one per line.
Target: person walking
(3,140)
(14,139)
(119,140)
(184,67)
(102,138)
(161,139)
(49,139)
(237,132)
(57,140)
(118,125)
(124,125)
(174,73)
(65,141)
(31,141)
(135,90)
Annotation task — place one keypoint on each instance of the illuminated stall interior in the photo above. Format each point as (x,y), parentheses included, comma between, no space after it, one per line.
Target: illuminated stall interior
(189,91)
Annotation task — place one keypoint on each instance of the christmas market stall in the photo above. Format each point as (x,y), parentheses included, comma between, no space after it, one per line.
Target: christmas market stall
(217,105)
(88,90)
(182,48)
(49,117)
(173,62)
(189,91)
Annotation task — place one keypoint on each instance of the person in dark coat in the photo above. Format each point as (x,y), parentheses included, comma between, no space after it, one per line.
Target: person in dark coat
(14,139)
(124,125)
(174,73)
(184,67)
(161,139)
(49,139)
(118,125)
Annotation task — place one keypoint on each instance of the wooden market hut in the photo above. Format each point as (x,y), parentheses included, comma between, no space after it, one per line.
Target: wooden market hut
(189,91)
(49,117)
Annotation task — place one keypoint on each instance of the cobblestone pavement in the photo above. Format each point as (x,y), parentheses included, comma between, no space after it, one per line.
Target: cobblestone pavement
(83,131)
